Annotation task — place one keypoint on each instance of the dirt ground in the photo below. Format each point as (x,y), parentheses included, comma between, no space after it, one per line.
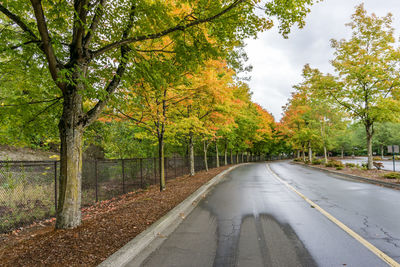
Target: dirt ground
(106,227)
(24,154)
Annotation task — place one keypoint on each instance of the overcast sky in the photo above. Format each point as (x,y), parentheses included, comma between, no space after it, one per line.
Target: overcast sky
(277,62)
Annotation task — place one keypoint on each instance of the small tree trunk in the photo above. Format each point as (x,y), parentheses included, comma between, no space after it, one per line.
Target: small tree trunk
(303,155)
(369,131)
(69,199)
(205,155)
(242,157)
(231,156)
(237,157)
(226,154)
(248,156)
(382,156)
(191,154)
(309,151)
(298,153)
(342,153)
(161,162)
(325,155)
(216,151)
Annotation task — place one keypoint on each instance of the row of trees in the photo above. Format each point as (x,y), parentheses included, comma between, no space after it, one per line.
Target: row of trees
(364,90)
(67,61)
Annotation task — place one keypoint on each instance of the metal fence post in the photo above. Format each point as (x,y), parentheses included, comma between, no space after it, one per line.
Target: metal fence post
(96,177)
(175,166)
(155,171)
(55,185)
(123,176)
(141,172)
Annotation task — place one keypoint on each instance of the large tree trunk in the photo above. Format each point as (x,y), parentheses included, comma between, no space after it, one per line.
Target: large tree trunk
(309,151)
(205,155)
(191,154)
(161,162)
(298,153)
(370,132)
(69,199)
(216,151)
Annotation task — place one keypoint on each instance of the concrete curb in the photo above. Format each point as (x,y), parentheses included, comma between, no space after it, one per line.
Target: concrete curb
(354,177)
(171,220)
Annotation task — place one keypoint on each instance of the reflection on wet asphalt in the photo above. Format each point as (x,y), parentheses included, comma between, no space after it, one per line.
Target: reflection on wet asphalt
(252,219)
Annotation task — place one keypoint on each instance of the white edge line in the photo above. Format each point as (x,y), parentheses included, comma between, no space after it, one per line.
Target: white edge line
(353,234)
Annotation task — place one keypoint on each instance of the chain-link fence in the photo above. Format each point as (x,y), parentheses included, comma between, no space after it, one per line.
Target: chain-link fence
(28,189)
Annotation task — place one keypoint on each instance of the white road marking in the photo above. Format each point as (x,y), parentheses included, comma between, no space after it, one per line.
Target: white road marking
(353,234)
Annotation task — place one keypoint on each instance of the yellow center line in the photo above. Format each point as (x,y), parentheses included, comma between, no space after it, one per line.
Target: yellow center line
(356,236)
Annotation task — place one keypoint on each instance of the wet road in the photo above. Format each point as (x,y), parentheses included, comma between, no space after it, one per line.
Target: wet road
(253,219)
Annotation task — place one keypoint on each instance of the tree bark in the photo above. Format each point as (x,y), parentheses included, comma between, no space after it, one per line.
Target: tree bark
(71,132)
(231,156)
(216,151)
(342,153)
(309,151)
(370,132)
(161,162)
(304,155)
(382,152)
(205,155)
(237,157)
(191,154)
(325,155)
(226,154)
(242,157)
(298,153)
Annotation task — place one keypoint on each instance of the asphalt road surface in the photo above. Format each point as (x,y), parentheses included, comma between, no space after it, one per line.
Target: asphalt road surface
(254,218)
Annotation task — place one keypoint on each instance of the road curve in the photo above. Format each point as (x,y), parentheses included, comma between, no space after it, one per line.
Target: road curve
(253,219)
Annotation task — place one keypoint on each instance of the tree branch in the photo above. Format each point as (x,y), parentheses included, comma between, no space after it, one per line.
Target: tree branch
(125,41)
(46,43)
(92,114)
(18,21)
(43,111)
(98,13)
(32,102)
(78,30)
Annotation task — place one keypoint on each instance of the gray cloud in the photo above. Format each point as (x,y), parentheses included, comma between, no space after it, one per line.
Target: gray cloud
(277,62)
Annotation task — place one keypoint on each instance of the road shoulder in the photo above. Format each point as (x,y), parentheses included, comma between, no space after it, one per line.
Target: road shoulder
(137,250)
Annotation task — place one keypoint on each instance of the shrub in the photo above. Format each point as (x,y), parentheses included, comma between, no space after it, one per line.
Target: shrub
(392,175)
(334,163)
(376,158)
(364,165)
(339,168)
(350,165)
(316,162)
(297,159)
